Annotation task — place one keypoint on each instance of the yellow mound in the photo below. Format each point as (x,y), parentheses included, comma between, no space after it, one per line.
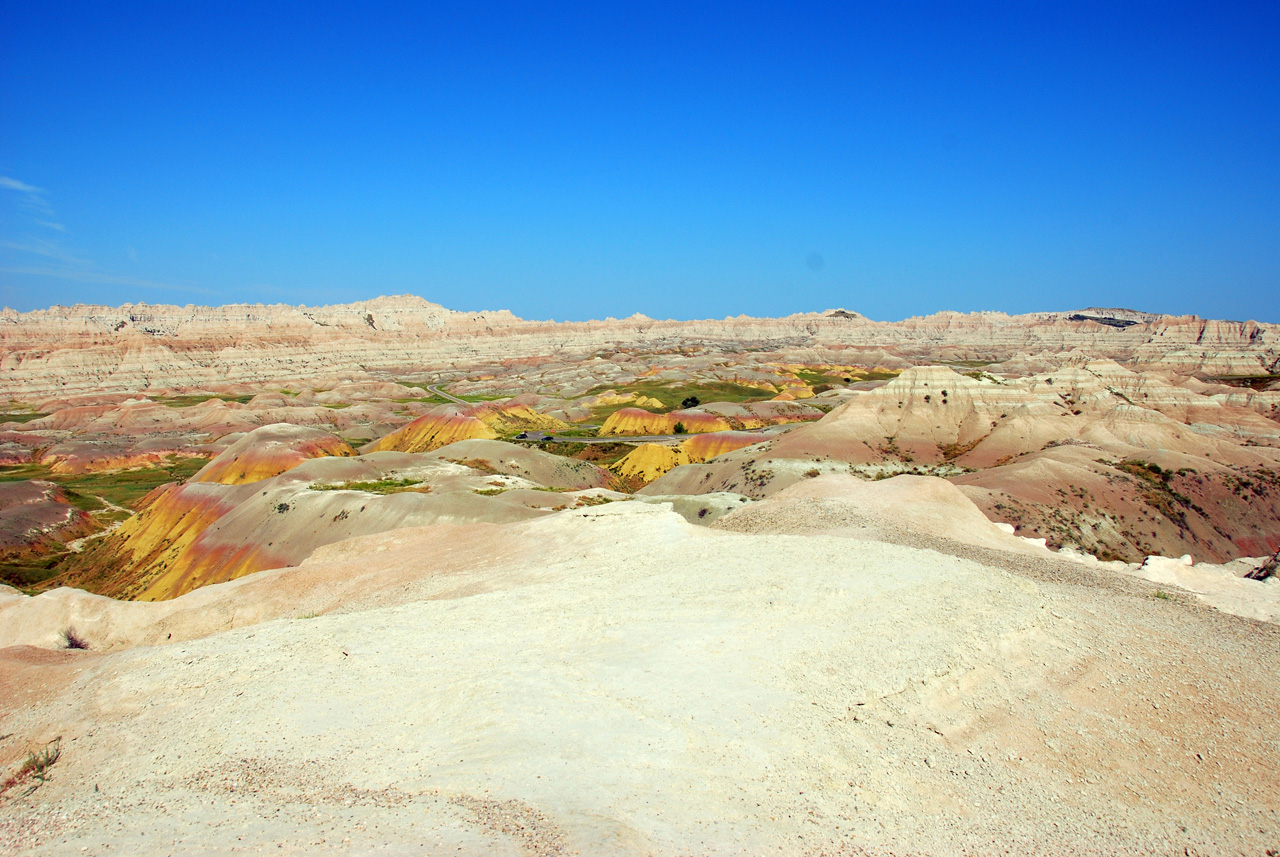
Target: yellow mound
(648,461)
(137,556)
(637,421)
(507,418)
(432,432)
(270,451)
(613,397)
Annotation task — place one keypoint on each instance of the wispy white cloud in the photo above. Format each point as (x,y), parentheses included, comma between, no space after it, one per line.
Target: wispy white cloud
(13,184)
(96,277)
(32,251)
(29,196)
(44,247)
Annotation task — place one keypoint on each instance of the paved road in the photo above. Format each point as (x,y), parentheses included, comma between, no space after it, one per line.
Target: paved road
(621,438)
(653,438)
(432,388)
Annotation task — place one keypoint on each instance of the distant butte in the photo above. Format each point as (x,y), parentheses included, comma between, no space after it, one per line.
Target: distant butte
(82,349)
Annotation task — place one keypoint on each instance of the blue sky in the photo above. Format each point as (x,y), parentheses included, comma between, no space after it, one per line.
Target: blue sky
(684,160)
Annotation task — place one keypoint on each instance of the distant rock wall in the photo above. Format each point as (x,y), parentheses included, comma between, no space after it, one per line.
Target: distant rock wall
(67,350)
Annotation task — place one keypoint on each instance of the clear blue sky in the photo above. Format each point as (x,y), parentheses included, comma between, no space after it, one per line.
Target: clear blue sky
(683,160)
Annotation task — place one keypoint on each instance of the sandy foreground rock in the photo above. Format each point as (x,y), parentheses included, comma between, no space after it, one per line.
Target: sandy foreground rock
(616,680)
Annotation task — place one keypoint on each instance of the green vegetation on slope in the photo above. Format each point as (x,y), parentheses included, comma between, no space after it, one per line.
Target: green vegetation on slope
(602,454)
(21,416)
(188,401)
(382,486)
(671,394)
(118,488)
(121,487)
(815,378)
(1255,382)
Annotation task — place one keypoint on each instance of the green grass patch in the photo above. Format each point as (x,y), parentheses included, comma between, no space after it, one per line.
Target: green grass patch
(880,376)
(121,487)
(602,454)
(425,400)
(27,576)
(382,486)
(816,378)
(421,385)
(188,401)
(336,406)
(672,394)
(21,416)
(577,432)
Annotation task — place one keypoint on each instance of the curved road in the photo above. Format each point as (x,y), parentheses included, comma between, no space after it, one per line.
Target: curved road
(433,388)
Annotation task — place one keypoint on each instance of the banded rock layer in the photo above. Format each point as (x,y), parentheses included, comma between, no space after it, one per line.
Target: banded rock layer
(65,350)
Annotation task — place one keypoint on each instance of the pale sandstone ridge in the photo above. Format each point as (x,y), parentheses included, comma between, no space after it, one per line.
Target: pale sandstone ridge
(615,680)
(77,349)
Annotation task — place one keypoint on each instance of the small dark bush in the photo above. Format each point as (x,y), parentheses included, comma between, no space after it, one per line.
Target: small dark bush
(72,640)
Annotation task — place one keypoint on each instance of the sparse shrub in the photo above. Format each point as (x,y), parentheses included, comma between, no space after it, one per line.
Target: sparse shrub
(812,472)
(1270,568)
(281,508)
(35,768)
(72,640)
(680,429)
(691,402)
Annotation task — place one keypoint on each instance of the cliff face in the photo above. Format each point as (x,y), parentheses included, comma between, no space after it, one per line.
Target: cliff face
(69,350)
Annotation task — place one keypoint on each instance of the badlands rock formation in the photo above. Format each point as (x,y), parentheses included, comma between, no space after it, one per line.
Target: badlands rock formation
(209,531)
(91,349)
(387,577)
(1091,455)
